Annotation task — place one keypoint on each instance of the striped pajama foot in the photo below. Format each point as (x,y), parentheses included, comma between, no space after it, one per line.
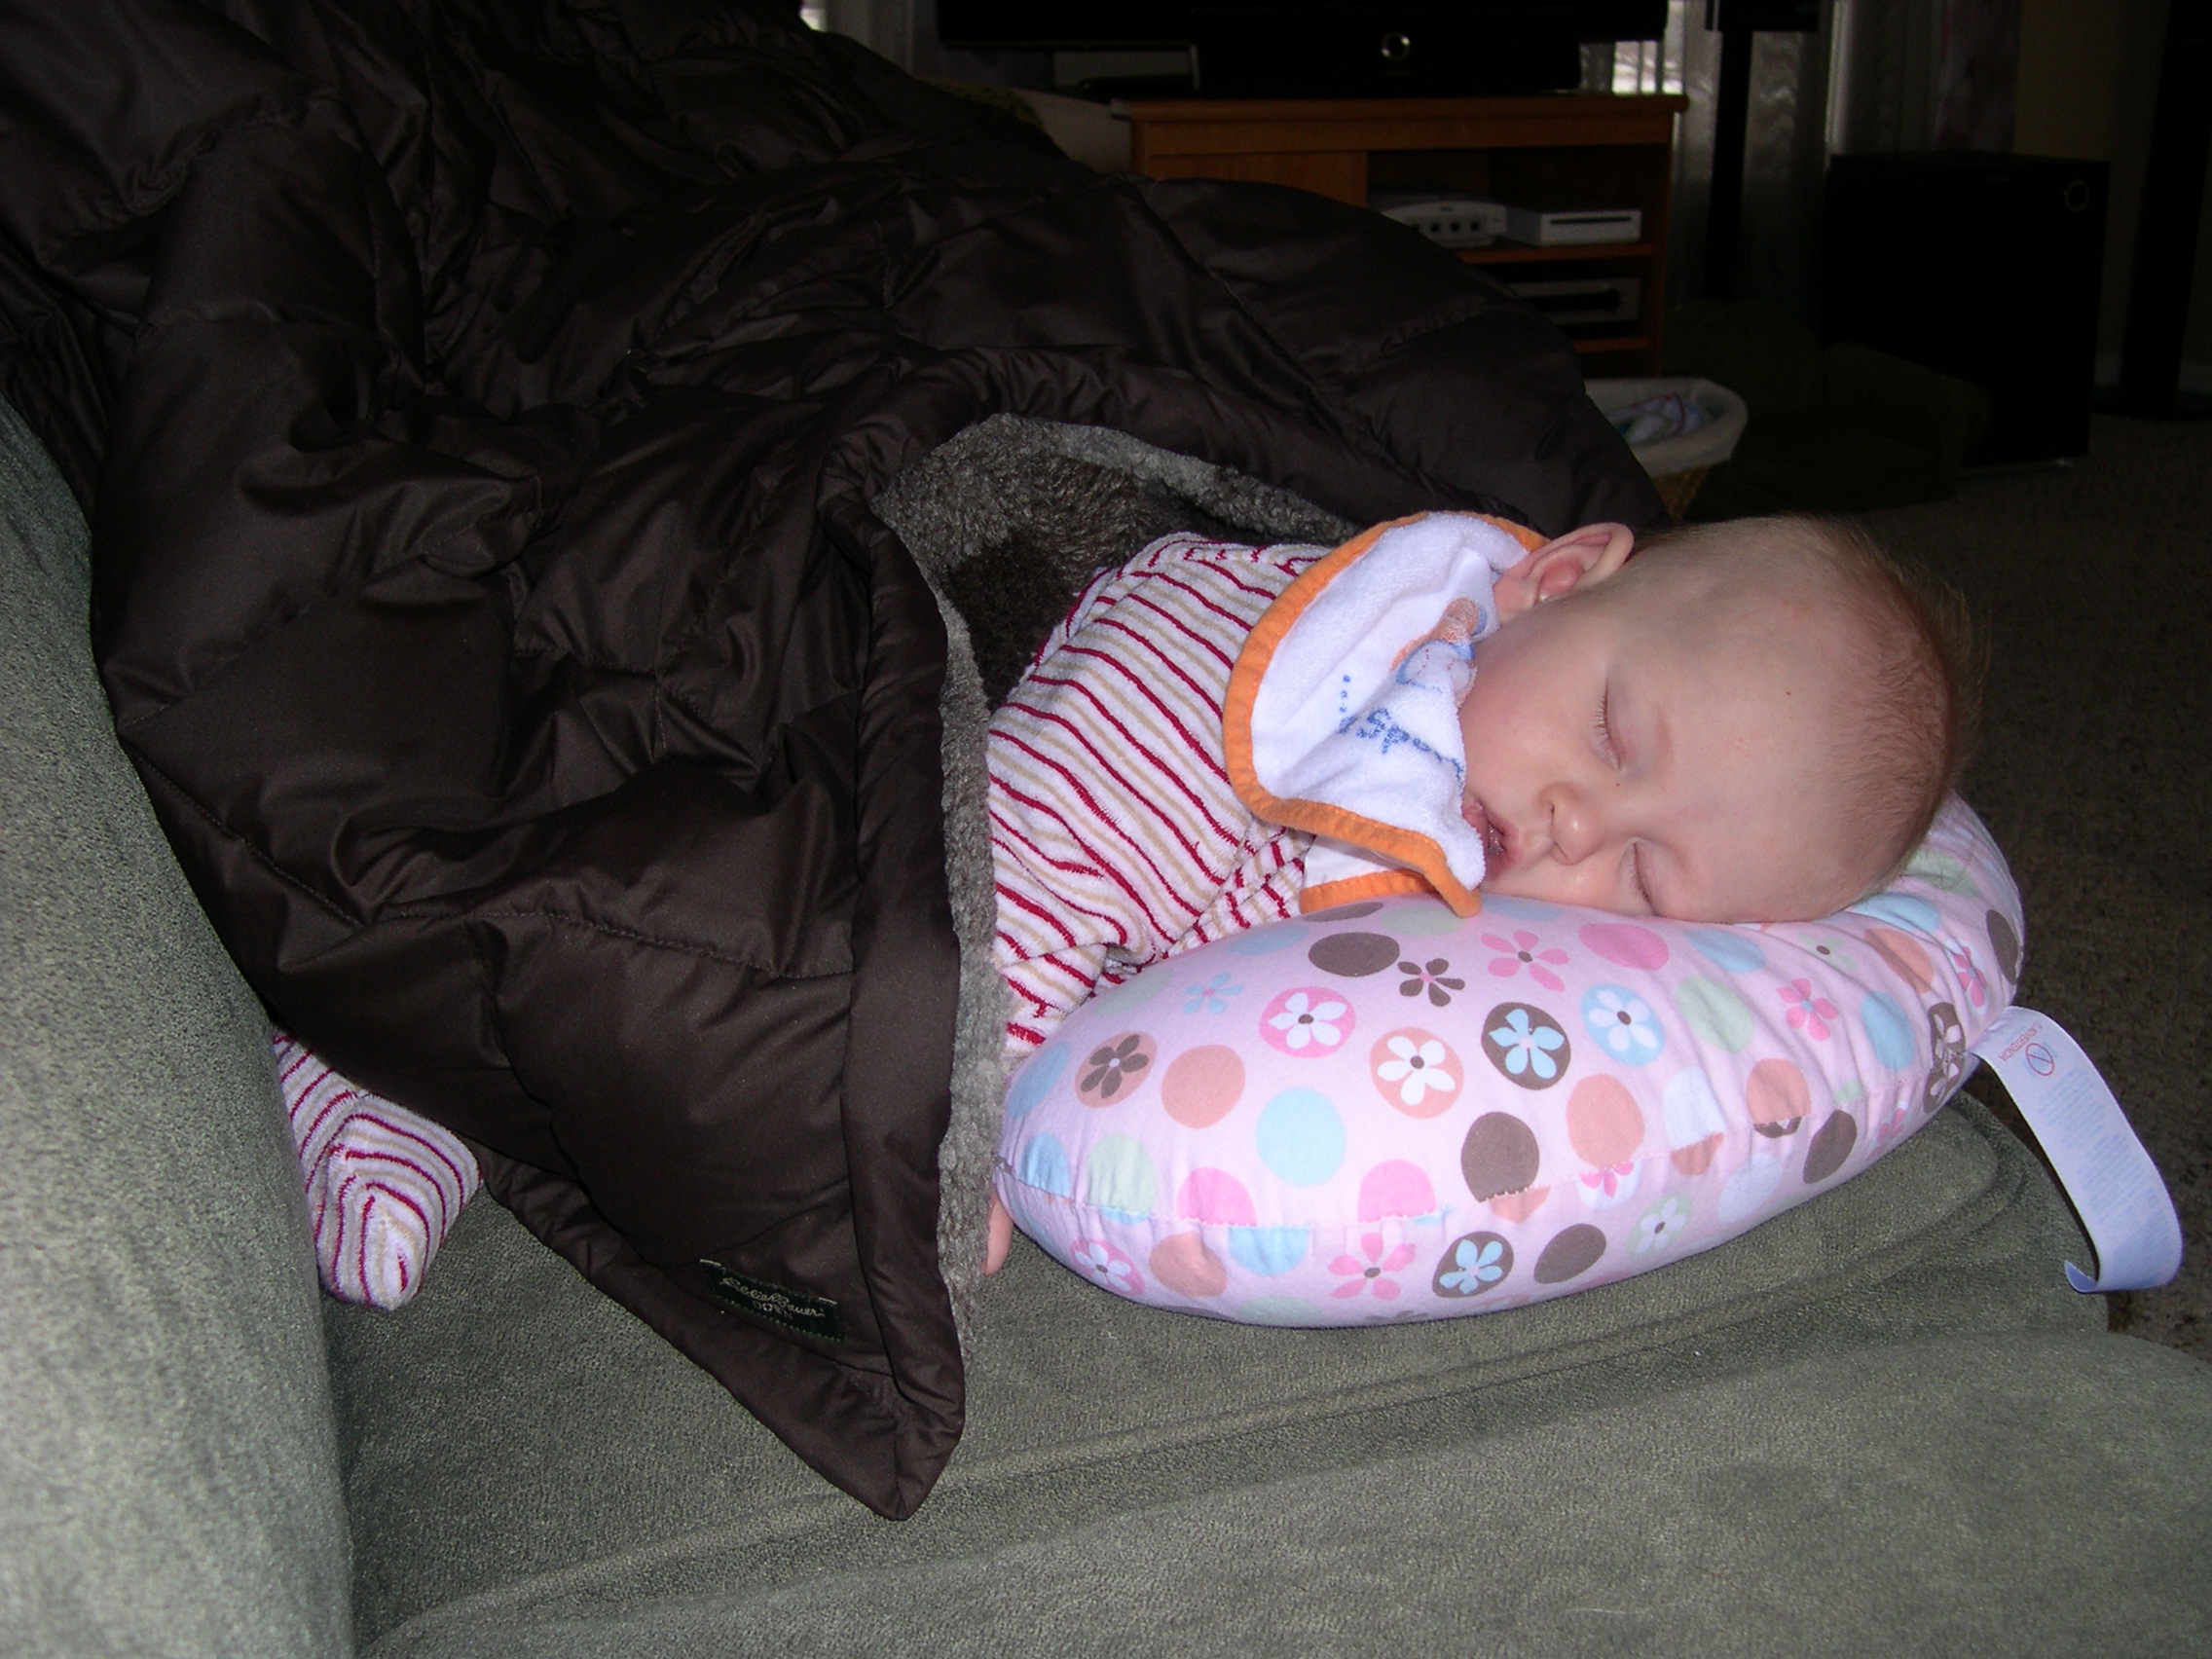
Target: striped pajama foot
(384,1186)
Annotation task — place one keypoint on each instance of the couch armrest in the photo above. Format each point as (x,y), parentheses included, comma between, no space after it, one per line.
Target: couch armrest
(166,1449)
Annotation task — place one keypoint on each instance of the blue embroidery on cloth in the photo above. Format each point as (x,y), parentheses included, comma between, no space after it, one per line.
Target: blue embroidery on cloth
(1380,727)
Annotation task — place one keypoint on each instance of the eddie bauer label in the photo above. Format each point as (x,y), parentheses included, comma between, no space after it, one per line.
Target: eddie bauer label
(816,1316)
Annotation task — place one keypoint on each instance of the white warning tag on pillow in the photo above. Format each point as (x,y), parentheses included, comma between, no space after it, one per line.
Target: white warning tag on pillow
(2116,1187)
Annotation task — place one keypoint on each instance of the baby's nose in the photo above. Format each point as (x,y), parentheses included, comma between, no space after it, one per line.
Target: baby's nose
(1575,833)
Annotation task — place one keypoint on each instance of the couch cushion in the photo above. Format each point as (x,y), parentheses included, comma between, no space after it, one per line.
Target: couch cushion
(518,1450)
(165,1448)
(1918,1498)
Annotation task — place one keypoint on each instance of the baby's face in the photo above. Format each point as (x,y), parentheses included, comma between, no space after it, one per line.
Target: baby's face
(1631,754)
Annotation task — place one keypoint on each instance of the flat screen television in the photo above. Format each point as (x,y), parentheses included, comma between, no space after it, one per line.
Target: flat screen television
(1113,26)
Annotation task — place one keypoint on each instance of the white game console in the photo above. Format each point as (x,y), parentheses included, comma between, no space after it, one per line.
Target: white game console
(1448,219)
(1571,226)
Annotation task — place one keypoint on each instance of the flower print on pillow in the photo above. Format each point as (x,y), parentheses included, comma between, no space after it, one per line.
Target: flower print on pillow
(1525,950)
(1527,1044)
(1808,1010)
(1308,1021)
(1622,1022)
(1371,1268)
(1433,977)
(1417,1072)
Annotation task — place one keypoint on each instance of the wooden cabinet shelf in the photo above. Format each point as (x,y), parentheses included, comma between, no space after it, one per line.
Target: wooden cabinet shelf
(1612,150)
(1521,253)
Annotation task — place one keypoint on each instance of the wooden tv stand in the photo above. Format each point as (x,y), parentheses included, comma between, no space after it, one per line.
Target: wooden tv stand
(1610,150)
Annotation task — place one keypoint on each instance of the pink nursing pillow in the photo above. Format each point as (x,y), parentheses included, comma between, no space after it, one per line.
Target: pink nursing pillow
(1384,1112)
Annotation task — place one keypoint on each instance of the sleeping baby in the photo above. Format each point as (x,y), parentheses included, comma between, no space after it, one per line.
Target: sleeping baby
(1748,722)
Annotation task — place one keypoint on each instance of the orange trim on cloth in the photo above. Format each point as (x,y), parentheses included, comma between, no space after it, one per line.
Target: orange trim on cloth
(1419,854)
(1382,884)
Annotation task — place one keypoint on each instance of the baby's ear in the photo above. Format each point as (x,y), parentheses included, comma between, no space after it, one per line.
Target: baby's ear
(1572,560)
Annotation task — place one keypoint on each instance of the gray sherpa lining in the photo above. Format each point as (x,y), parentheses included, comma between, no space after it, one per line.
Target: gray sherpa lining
(1026,511)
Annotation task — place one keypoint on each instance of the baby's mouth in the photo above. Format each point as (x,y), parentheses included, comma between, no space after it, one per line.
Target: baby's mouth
(1496,840)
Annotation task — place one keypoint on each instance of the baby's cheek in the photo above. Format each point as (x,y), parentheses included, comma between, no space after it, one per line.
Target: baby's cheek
(1470,730)
(1587,885)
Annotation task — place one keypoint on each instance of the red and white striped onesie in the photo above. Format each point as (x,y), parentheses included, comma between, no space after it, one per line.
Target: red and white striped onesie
(1116,838)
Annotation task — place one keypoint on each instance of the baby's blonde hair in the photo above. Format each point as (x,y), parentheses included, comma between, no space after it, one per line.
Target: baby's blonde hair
(1915,656)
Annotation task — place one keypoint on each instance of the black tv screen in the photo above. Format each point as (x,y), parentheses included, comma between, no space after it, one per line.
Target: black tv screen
(1078,25)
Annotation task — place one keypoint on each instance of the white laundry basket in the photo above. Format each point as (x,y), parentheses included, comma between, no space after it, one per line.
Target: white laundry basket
(1677,464)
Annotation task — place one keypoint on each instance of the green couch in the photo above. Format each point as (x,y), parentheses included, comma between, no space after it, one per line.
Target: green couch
(1880,1424)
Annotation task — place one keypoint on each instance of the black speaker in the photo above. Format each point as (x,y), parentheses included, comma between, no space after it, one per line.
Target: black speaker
(1984,266)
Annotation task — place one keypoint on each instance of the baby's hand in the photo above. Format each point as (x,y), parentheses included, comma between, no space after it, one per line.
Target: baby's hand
(1001,1238)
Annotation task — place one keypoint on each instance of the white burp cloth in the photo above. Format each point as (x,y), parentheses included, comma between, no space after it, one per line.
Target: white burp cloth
(1356,711)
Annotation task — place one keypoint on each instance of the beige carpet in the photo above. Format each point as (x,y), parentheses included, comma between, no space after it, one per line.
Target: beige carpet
(2095,774)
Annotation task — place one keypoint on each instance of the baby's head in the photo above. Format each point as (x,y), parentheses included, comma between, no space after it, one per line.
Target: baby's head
(1753,720)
